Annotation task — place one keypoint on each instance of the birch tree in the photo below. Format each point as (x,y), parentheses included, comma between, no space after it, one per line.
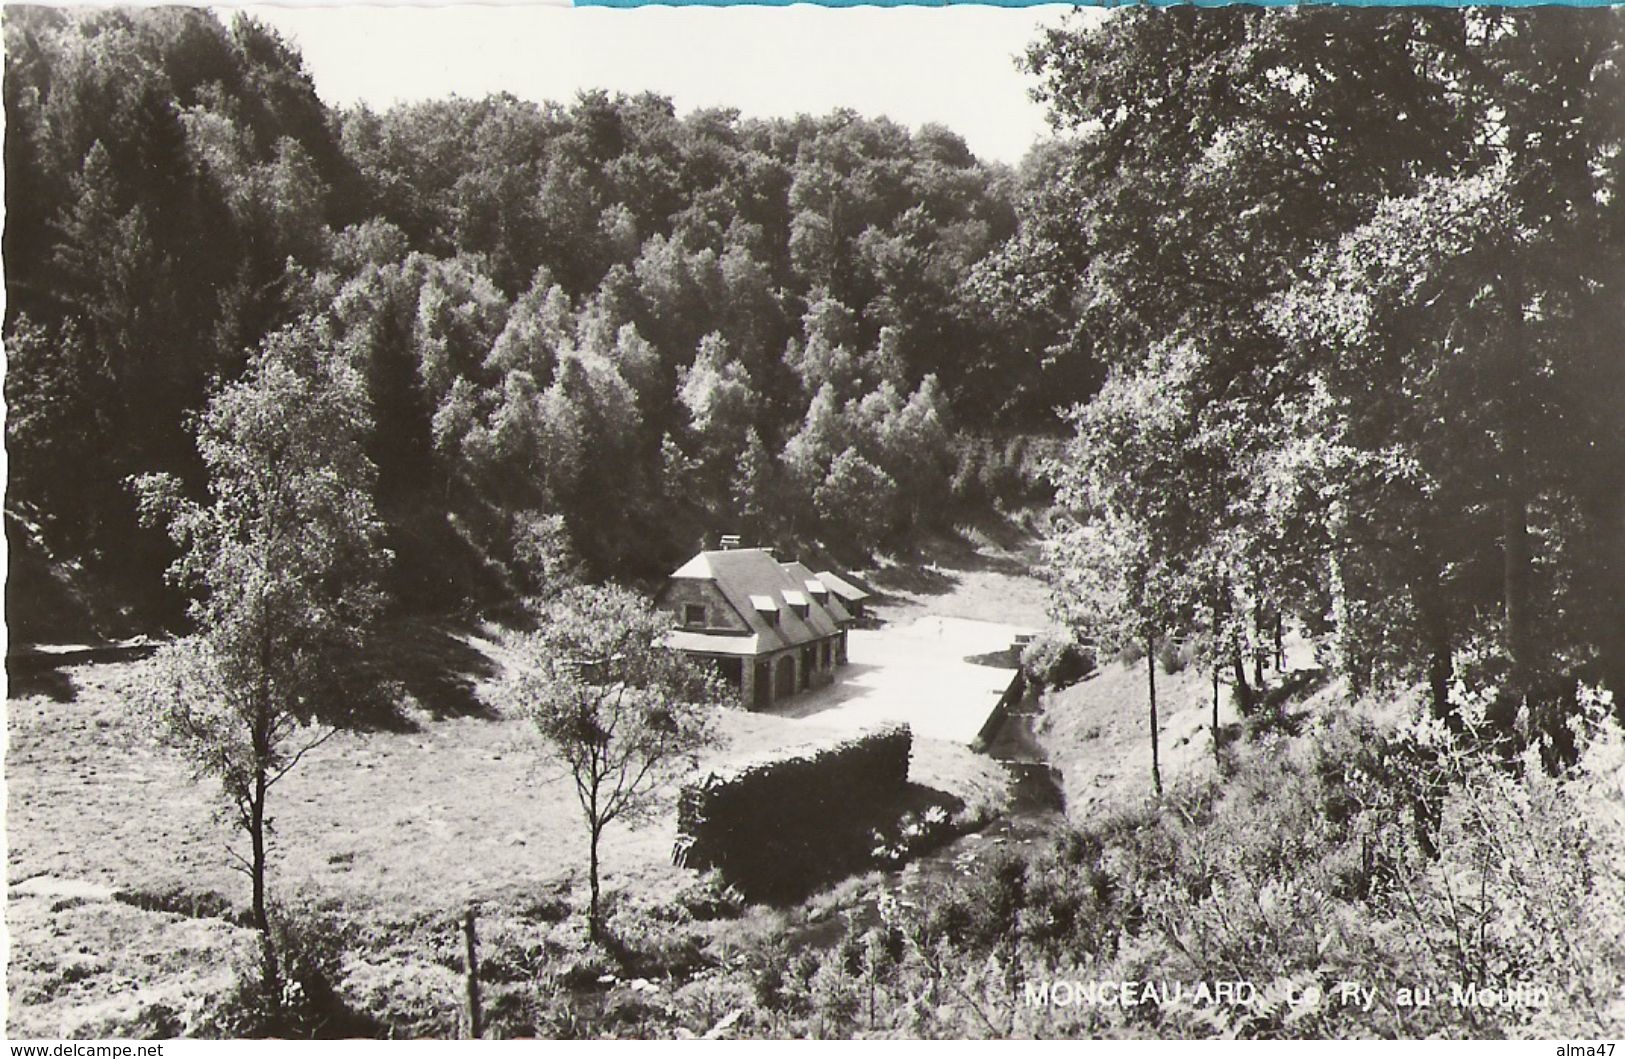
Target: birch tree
(282,558)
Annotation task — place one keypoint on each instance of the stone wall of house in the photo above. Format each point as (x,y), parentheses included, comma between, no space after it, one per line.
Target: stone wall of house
(682,591)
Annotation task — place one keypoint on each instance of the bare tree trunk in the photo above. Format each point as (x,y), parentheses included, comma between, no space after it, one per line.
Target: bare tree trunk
(1244,694)
(1515,590)
(1280,652)
(593,925)
(1515,550)
(1606,517)
(270,969)
(1151,683)
(1216,755)
(471,971)
(1258,644)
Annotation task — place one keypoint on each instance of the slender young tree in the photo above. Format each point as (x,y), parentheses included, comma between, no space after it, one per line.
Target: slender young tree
(1107,586)
(620,710)
(282,557)
(1151,696)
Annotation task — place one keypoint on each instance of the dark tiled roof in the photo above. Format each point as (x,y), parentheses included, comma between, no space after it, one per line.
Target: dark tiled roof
(832,601)
(744,573)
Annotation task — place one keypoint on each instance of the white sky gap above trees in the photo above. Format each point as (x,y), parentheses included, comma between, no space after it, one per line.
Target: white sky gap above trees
(953,65)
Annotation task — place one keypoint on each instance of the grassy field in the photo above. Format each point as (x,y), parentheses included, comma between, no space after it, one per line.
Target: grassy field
(120,901)
(983,573)
(1098,732)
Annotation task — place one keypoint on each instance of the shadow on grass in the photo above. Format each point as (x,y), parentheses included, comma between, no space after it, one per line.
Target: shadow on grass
(434,665)
(1003,531)
(918,579)
(996,564)
(25,681)
(325,1015)
(935,568)
(1272,713)
(1006,658)
(178,901)
(654,953)
(311,952)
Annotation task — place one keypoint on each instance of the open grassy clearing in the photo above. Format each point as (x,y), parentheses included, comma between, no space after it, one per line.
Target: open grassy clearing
(87,967)
(442,806)
(451,810)
(1097,733)
(393,830)
(982,572)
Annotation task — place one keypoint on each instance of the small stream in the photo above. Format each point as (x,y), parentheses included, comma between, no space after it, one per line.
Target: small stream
(1037,807)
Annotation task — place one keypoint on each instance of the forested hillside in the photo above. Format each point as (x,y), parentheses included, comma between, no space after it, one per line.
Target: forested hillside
(593,332)
(1339,328)
(1358,284)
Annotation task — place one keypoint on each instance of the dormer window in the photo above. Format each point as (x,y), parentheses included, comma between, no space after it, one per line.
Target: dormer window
(767,607)
(798,602)
(693,615)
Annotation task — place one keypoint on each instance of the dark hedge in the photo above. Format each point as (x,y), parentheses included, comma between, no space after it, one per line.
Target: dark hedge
(775,826)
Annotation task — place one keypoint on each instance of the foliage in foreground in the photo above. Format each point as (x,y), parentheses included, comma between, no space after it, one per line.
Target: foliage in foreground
(1344,852)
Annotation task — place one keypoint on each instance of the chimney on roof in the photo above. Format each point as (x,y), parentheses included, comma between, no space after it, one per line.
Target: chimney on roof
(730,541)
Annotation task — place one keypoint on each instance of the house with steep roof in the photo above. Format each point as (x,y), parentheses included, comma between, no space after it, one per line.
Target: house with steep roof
(771,628)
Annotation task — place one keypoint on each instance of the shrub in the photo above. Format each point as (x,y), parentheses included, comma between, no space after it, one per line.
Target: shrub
(548,907)
(544,559)
(1053,662)
(711,1005)
(1173,656)
(1351,852)
(411,996)
(915,833)
(310,946)
(711,897)
(966,484)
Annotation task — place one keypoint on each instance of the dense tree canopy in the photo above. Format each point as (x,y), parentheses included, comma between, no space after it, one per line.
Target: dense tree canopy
(1360,308)
(597,311)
